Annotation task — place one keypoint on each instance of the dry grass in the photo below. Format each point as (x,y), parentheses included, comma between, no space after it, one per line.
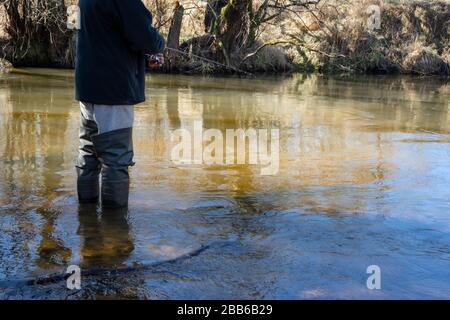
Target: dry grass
(414,37)
(333,37)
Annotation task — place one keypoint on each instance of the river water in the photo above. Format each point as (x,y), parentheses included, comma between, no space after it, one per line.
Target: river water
(363,180)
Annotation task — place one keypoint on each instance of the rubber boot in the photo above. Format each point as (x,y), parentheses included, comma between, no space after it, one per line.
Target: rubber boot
(115,151)
(88,166)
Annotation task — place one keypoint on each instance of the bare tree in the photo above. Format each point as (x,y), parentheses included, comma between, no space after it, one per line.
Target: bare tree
(236,24)
(36,32)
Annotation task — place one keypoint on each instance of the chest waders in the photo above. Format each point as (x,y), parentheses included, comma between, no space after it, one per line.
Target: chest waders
(104,157)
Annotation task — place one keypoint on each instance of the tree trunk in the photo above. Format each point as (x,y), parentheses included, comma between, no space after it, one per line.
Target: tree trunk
(32,42)
(231,29)
(173,39)
(212,12)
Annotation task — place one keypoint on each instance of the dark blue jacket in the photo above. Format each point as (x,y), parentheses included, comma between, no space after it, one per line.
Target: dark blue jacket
(114,37)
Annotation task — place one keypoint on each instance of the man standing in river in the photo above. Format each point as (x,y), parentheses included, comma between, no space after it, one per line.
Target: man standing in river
(113,40)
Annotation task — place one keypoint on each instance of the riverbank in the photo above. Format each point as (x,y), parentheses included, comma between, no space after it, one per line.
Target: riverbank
(410,37)
(333,38)
(354,37)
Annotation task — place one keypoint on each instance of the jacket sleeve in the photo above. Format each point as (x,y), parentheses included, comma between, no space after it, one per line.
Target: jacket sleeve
(137,27)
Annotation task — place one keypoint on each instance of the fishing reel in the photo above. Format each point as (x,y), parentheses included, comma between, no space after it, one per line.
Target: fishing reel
(153,59)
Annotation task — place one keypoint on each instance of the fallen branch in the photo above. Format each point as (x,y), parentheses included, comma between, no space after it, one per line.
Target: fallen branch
(270,43)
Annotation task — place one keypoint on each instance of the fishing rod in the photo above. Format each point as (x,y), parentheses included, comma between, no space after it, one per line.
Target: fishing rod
(156,59)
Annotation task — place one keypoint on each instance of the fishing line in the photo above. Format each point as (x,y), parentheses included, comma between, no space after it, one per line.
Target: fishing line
(209,61)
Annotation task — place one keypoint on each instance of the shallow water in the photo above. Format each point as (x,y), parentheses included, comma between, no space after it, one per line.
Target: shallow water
(364,180)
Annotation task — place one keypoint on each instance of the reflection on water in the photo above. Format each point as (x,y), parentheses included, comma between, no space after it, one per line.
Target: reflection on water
(364,179)
(106,239)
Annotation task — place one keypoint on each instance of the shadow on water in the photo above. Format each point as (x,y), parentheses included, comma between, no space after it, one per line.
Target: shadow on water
(363,180)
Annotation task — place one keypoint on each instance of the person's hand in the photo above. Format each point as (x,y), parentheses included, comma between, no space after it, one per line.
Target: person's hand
(156,61)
